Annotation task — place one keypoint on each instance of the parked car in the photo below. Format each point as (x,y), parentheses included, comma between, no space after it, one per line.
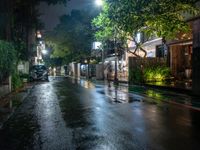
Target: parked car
(39,72)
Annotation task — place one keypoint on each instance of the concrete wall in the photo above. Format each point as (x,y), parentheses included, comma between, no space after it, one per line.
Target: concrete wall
(99,72)
(78,70)
(74,69)
(23,67)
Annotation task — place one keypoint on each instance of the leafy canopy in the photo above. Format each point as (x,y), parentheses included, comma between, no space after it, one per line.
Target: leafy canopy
(163,18)
(73,36)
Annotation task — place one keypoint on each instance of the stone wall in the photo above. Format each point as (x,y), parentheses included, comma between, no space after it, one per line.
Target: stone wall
(99,72)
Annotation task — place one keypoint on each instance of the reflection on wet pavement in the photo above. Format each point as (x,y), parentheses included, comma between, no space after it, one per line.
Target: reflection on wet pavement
(69,114)
(11,102)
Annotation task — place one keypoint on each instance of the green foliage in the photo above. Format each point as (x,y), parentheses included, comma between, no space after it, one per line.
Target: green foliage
(149,70)
(7,59)
(104,26)
(149,74)
(23,75)
(136,75)
(156,73)
(163,18)
(16,81)
(21,50)
(72,38)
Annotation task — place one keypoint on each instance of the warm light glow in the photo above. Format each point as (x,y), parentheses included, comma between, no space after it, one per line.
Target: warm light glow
(99,2)
(38,34)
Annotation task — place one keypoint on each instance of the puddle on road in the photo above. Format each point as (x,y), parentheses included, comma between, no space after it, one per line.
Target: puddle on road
(129,94)
(101,92)
(87,84)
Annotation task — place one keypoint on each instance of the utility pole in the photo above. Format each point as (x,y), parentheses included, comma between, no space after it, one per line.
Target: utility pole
(115,48)
(102,52)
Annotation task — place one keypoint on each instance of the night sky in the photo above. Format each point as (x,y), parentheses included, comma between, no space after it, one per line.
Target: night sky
(50,14)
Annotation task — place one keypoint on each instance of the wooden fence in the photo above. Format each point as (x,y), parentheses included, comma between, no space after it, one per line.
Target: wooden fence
(135,62)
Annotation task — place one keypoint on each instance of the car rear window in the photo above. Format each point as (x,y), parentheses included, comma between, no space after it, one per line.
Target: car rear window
(38,67)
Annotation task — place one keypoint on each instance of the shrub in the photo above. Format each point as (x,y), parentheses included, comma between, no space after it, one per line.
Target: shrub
(156,73)
(135,75)
(16,81)
(152,73)
(8,59)
(24,75)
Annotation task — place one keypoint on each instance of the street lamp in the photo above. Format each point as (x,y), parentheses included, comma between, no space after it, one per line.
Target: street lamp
(39,35)
(116,57)
(99,2)
(44,51)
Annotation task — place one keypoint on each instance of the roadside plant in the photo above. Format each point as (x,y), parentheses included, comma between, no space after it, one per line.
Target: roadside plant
(7,59)
(16,81)
(150,19)
(145,74)
(136,75)
(156,73)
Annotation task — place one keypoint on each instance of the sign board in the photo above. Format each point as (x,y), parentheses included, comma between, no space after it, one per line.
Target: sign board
(96,45)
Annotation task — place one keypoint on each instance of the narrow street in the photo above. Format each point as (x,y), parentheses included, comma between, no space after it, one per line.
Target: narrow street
(69,114)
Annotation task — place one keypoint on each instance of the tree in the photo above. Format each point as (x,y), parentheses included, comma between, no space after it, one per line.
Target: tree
(161,18)
(18,23)
(25,23)
(8,59)
(73,36)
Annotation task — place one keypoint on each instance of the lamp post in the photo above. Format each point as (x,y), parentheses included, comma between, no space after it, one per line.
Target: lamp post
(102,59)
(99,2)
(115,48)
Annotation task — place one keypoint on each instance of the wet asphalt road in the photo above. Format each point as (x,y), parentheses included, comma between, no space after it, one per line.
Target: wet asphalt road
(69,114)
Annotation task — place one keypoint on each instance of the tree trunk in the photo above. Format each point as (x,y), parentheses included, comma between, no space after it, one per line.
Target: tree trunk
(9,16)
(166,51)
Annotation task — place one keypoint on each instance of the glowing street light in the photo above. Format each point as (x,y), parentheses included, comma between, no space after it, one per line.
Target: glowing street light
(38,34)
(44,51)
(99,2)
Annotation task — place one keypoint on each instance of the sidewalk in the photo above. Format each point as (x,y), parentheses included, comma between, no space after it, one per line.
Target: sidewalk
(10,102)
